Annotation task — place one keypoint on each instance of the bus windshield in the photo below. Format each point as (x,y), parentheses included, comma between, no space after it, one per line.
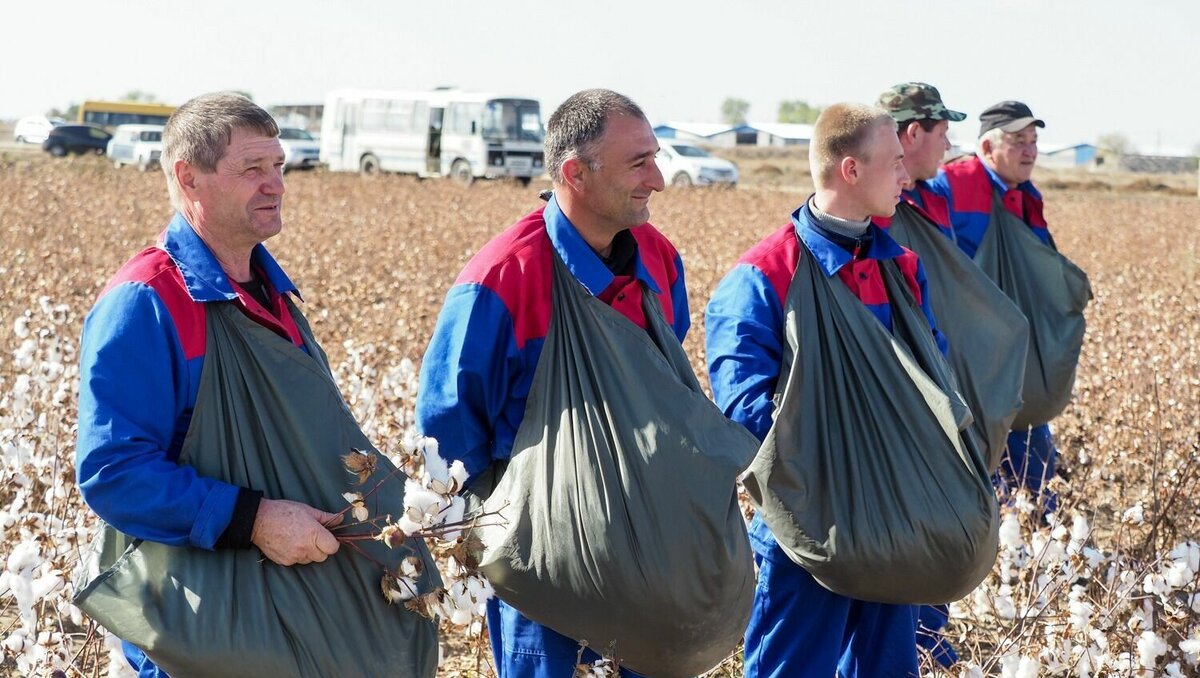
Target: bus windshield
(513,120)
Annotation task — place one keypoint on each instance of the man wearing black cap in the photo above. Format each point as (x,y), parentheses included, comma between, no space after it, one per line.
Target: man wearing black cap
(1007,151)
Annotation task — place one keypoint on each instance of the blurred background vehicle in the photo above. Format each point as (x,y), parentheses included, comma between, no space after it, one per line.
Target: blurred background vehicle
(301,150)
(139,145)
(33,129)
(76,139)
(686,164)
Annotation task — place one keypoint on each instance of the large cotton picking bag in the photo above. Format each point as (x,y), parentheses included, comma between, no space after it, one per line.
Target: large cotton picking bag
(621,523)
(988,335)
(869,477)
(268,416)
(1052,292)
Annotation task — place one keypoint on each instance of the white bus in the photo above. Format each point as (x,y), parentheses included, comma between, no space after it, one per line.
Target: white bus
(464,135)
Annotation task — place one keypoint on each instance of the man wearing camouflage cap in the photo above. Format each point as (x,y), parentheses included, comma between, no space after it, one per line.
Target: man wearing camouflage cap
(922,122)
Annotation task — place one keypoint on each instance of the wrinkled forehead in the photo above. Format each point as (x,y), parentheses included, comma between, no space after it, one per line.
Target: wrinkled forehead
(249,147)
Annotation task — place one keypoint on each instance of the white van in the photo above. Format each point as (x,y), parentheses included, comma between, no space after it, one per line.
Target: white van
(33,129)
(683,163)
(139,145)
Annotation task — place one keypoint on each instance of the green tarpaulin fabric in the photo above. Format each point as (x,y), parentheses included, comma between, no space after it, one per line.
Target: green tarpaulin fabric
(1052,292)
(621,517)
(267,417)
(988,335)
(870,478)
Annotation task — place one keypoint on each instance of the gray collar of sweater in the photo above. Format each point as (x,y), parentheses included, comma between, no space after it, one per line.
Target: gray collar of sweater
(838,225)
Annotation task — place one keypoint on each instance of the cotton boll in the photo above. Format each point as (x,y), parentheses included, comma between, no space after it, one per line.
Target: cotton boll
(1150,647)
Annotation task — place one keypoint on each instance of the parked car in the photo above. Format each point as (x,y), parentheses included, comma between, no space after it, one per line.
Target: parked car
(76,139)
(300,149)
(683,163)
(139,145)
(33,129)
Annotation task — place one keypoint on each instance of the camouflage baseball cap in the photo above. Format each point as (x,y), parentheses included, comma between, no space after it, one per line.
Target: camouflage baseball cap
(916,101)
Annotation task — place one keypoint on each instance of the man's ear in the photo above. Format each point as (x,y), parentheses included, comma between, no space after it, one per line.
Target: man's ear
(848,169)
(185,176)
(573,172)
(986,148)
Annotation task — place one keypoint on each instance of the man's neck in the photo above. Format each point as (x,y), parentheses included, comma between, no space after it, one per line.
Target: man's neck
(1010,184)
(595,232)
(840,206)
(233,258)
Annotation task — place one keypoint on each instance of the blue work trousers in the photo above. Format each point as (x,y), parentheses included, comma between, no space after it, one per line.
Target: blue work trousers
(800,629)
(1029,462)
(525,649)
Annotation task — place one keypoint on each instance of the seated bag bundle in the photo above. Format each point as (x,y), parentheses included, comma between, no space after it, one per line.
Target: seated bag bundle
(1052,293)
(870,478)
(987,333)
(621,522)
(269,417)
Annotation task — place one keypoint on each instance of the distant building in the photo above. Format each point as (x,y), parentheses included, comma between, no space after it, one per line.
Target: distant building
(1157,164)
(746,134)
(1075,155)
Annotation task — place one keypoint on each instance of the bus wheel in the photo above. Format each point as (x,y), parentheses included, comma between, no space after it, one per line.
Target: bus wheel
(460,171)
(524,181)
(681,179)
(369,164)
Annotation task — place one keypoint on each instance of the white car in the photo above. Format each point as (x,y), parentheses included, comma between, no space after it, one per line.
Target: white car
(34,129)
(683,163)
(300,149)
(139,145)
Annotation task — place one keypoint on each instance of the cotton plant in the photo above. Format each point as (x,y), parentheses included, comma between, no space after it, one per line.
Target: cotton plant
(433,511)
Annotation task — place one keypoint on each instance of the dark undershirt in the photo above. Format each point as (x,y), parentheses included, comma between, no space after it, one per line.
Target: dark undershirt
(257,288)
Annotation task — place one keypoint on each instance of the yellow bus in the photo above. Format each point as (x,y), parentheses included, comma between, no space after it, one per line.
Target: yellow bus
(112,113)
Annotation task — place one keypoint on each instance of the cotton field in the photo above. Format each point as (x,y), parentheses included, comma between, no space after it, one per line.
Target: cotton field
(1106,585)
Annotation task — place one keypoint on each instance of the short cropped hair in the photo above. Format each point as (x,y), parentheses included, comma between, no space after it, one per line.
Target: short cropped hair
(842,131)
(927,124)
(576,126)
(199,131)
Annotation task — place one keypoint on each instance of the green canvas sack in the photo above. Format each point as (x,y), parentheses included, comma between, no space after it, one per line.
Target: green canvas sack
(1052,292)
(988,335)
(870,478)
(622,524)
(269,417)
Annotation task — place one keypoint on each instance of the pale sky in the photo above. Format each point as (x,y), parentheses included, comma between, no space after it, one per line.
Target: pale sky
(1087,67)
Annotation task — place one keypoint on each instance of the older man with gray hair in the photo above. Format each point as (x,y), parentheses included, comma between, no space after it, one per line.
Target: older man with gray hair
(210,431)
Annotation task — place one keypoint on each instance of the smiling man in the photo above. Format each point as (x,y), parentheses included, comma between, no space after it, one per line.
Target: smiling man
(162,437)
(481,361)
(1007,153)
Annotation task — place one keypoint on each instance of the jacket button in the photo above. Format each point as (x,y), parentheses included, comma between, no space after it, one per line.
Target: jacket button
(621,297)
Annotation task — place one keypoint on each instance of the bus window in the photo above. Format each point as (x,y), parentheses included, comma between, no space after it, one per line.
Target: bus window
(374,113)
(513,120)
(400,116)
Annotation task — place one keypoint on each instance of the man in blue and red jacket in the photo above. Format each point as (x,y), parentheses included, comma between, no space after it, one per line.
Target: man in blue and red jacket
(480,362)
(798,628)
(1007,153)
(922,123)
(143,347)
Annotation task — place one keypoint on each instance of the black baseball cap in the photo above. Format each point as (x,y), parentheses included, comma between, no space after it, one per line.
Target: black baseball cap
(1010,116)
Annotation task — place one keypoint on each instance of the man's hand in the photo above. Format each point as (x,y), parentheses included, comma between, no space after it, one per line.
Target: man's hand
(291,533)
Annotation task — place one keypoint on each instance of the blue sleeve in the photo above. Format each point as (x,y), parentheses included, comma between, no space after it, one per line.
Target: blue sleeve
(682,320)
(940,185)
(923,285)
(744,347)
(133,382)
(465,375)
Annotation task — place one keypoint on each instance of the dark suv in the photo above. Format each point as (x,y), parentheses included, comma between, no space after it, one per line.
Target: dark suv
(76,139)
